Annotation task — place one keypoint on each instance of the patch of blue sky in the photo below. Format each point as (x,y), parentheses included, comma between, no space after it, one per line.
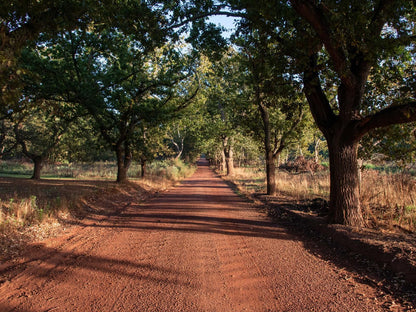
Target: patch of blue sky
(227,22)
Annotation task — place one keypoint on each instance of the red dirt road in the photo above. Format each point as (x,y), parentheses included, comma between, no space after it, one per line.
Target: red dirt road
(197,247)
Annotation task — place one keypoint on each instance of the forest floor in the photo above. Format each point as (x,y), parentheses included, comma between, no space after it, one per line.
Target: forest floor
(195,247)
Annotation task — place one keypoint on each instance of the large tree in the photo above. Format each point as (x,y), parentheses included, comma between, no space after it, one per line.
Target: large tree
(339,45)
(120,81)
(276,94)
(222,91)
(39,129)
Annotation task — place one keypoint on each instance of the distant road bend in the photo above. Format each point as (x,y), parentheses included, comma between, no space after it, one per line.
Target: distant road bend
(197,247)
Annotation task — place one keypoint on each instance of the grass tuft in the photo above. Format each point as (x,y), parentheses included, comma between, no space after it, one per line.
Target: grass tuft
(29,209)
(388,199)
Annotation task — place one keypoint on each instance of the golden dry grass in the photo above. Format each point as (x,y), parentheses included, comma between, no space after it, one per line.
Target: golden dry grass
(31,209)
(388,200)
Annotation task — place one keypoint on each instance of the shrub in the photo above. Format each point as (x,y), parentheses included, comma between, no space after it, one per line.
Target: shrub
(301,164)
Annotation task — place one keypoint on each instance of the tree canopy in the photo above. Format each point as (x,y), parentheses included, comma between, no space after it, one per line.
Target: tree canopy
(149,75)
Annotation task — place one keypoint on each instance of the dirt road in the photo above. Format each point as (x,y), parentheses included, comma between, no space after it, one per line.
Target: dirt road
(197,247)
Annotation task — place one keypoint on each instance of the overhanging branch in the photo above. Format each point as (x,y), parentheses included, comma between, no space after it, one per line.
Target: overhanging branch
(390,116)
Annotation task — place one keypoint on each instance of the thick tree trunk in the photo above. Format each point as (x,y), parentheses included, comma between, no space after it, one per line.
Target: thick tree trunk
(123,162)
(342,134)
(344,204)
(121,173)
(143,167)
(37,167)
(270,158)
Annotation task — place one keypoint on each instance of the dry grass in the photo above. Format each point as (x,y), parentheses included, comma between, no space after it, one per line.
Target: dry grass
(32,209)
(388,200)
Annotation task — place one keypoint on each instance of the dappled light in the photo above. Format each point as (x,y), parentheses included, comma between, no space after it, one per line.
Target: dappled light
(135,124)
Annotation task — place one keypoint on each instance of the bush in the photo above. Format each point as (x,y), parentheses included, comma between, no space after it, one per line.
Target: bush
(301,164)
(171,169)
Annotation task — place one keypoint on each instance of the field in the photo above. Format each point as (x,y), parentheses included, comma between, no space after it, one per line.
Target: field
(31,209)
(388,199)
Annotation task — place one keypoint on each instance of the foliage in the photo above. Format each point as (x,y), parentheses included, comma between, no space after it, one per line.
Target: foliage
(124,64)
(335,46)
(117,81)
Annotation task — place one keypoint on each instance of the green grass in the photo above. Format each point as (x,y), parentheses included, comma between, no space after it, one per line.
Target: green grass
(14,175)
(171,169)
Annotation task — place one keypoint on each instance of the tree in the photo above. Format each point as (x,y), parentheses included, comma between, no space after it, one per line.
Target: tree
(222,92)
(40,129)
(275,93)
(148,143)
(22,21)
(82,143)
(354,51)
(346,41)
(118,80)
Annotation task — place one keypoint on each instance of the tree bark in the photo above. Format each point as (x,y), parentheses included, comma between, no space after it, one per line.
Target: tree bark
(270,172)
(270,157)
(229,161)
(342,140)
(37,162)
(344,204)
(228,155)
(223,162)
(123,161)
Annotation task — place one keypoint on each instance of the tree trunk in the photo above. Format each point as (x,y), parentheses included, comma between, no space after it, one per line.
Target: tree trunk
(123,162)
(229,161)
(37,162)
(344,203)
(342,136)
(270,172)
(270,158)
(223,162)
(143,167)
(228,155)
(360,173)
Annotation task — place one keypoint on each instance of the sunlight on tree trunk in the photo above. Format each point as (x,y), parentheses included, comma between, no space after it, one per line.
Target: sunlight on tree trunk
(344,204)
(271,173)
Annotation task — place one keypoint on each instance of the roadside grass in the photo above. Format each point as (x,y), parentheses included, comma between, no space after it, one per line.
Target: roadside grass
(388,199)
(102,170)
(31,209)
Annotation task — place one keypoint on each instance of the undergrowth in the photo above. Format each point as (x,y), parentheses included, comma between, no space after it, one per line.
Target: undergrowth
(388,199)
(32,208)
(172,169)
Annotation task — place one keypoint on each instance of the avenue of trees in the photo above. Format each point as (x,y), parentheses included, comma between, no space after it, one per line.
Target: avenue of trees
(83,80)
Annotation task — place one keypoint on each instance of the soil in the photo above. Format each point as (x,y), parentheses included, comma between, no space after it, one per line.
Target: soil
(196,247)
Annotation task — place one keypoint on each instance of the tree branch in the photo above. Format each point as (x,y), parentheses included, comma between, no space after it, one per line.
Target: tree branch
(318,102)
(314,16)
(392,115)
(202,15)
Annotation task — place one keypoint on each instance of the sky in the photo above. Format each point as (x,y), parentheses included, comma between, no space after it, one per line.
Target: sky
(225,21)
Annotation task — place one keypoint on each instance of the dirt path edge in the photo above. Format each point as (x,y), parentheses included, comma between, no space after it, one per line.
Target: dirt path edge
(399,258)
(394,260)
